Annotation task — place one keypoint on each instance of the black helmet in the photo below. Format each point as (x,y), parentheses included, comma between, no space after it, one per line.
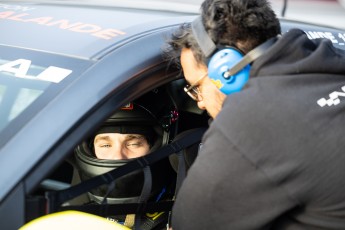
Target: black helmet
(130,119)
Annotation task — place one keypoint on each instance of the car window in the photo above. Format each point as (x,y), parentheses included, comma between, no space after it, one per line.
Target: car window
(177,115)
(17,90)
(25,78)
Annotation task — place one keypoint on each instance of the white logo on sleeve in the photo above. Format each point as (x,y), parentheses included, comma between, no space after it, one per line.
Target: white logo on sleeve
(334,98)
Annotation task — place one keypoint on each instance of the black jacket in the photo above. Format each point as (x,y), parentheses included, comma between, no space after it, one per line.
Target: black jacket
(274,158)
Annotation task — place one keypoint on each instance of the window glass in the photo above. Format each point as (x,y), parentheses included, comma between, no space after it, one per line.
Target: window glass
(29,80)
(24,98)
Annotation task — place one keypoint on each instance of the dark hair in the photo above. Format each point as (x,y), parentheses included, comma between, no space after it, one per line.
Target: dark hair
(241,23)
(244,24)
(182,38)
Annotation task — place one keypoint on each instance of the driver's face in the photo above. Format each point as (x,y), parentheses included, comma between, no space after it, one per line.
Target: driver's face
(116,146)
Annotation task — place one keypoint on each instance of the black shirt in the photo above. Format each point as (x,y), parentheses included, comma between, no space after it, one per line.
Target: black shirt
(274,158)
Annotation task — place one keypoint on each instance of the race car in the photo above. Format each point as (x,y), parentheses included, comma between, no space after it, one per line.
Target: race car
(65,68)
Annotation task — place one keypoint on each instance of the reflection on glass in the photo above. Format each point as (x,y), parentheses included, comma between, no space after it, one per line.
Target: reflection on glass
(24,99)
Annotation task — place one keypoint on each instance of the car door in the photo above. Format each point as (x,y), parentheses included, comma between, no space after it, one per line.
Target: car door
(49,135)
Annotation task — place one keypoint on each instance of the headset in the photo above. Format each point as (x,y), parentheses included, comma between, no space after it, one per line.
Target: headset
(228,68)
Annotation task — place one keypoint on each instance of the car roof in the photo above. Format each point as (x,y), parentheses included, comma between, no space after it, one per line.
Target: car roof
(82,29)
(85,31)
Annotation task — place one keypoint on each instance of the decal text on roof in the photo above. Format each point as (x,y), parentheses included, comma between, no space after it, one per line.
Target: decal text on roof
(64,24)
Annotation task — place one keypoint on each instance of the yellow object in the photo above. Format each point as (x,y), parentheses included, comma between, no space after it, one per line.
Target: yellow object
(217,83)
(154,216)
(68,220)
(130,220)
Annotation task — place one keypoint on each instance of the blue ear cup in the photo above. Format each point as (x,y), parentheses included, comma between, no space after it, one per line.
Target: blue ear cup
(228,61)
(219,65)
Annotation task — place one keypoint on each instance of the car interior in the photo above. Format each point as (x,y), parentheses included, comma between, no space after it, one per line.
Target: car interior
(188,120)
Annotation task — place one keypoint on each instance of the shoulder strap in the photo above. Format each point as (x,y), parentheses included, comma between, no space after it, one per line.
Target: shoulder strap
(56,198)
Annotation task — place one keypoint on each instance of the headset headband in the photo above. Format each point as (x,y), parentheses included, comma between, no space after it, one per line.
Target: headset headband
(205,42)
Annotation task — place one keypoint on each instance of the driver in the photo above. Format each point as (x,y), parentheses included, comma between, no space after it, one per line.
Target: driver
(131,132)
(117,146)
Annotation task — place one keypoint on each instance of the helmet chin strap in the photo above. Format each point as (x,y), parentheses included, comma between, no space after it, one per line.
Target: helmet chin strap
(143,198)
